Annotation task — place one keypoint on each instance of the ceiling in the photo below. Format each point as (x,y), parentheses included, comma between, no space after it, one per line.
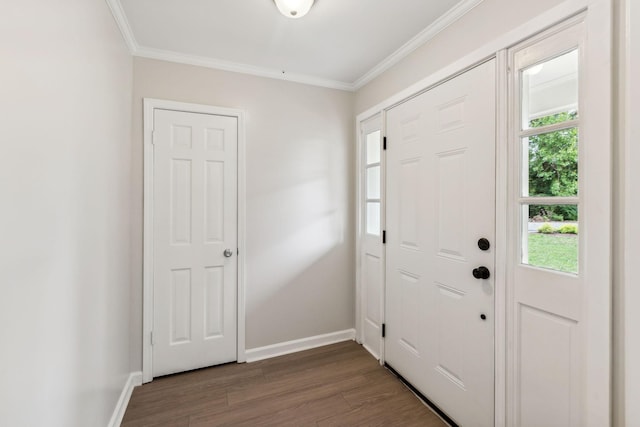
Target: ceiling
(340,44)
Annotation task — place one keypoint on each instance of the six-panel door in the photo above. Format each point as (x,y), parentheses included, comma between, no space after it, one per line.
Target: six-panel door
(440,203)
(195,222)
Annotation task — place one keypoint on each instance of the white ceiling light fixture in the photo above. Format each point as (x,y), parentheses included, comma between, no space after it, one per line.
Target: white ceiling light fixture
(294,8)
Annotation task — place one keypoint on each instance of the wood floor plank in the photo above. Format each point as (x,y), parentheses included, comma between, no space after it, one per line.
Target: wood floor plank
(310,378)
(381,386)
(330,355)
(304,414)
(336,385)
(170,409)
(174,422)
(293,409)
(240,413)
(401,410)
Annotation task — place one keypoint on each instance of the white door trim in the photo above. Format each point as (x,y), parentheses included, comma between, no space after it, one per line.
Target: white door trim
(147,272)
(630,227)
(501,237)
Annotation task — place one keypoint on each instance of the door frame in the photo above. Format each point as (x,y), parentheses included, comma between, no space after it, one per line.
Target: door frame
(149,106)
(600,15)
(627,336)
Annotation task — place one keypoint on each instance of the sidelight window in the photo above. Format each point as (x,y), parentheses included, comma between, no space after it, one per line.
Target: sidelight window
(372,183)
(549,158)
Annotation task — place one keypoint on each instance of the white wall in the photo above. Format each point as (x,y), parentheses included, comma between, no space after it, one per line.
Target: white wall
(300,197)
(65,110)
(486,22)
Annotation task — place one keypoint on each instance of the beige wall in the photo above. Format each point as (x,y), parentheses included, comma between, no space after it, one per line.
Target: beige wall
(300,204)
(484,23)
(65,109)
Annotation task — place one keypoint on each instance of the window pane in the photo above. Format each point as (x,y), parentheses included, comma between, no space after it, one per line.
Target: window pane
(552,162)
(373,147)
(373,218)
(550,91)
(373,182)
(551,237)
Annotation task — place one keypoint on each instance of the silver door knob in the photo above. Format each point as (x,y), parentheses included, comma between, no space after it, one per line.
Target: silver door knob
(228,252)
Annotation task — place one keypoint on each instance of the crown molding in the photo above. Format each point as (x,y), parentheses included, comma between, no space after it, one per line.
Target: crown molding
(203,61)
(123,23)
(165,55)
(421,38)
(424,36)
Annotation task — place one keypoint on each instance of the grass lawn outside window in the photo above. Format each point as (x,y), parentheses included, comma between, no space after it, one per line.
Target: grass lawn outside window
(554,251)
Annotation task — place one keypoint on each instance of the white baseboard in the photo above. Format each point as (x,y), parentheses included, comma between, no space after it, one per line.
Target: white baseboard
(280,349)
(135,379)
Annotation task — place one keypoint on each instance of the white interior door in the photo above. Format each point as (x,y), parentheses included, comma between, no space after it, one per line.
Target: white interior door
(371,251)
(440,203)
(195,241)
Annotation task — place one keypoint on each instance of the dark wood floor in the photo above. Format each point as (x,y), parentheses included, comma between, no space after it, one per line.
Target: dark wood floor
(337,385)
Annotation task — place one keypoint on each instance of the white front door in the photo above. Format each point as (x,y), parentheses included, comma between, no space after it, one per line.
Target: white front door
(440,204)
(195,240)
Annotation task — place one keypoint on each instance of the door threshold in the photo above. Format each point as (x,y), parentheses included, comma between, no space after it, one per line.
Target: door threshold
(444,417)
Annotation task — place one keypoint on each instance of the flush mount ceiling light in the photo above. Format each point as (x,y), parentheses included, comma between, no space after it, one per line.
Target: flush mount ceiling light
(294,8)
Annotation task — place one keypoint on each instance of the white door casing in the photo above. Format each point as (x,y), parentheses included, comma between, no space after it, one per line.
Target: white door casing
(631,290)
(558,322)
(440,202)
(371,220)
(193,293)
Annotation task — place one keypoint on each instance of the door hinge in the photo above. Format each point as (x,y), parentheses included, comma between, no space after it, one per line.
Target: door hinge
(151,338)
(153,137)
(384,143)
(384,330)
(384,237)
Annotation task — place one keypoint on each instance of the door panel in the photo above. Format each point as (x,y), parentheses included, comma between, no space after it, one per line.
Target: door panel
(546,378)
(195,221)
(373,293)
(441,201)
